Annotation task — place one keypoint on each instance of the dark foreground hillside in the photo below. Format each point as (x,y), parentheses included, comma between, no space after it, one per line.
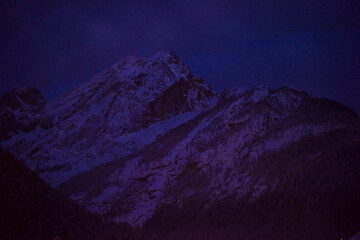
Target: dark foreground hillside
(30,209)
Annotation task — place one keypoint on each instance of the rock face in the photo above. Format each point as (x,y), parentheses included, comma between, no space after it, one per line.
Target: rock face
(147,133)
(20,110)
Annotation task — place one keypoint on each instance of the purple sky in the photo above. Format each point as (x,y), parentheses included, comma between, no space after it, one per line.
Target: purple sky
(312,45)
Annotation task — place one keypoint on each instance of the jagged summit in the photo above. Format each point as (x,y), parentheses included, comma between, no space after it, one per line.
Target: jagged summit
(167,55)
(132,65)
(161,55)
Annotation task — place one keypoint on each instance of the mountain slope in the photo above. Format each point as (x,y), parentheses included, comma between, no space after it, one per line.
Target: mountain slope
(221,145)
(315,197)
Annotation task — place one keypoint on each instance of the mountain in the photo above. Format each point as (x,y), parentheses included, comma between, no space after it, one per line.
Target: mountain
(20,110)
(149,143)
(112,115)
(30,209)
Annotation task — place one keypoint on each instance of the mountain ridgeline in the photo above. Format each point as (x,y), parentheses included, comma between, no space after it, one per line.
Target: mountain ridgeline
(149,143)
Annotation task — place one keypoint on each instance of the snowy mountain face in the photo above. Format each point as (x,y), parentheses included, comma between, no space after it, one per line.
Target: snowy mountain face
(148,132)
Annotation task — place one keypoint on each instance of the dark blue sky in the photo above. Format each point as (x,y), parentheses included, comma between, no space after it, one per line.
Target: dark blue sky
(312,45)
